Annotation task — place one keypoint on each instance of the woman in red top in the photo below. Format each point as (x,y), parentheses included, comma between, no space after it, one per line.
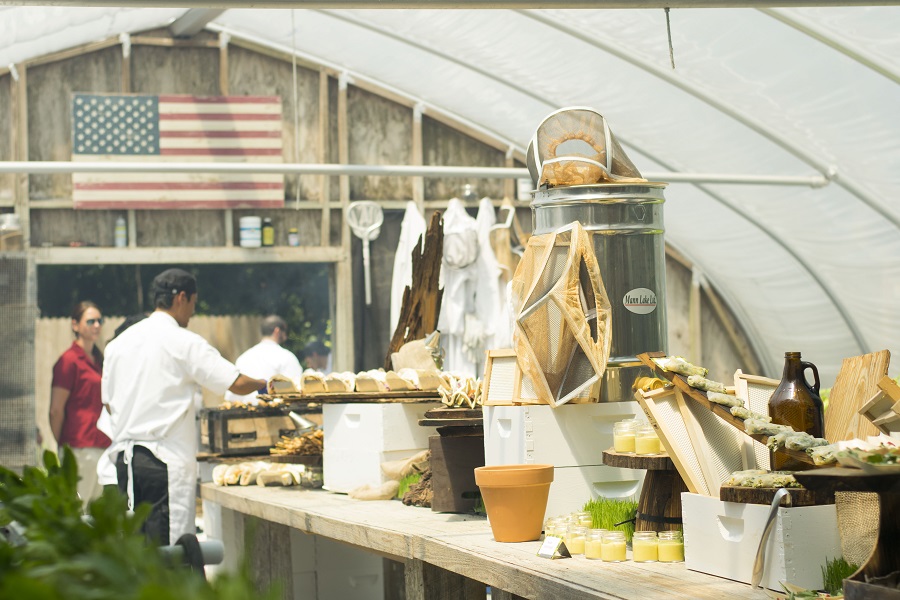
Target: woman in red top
(75,398)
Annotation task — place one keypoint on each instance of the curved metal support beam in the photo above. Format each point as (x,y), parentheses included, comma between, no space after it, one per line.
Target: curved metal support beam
(826,37)
(846,182)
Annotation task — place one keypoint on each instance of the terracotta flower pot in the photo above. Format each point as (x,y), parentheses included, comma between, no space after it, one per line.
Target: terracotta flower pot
(515,497)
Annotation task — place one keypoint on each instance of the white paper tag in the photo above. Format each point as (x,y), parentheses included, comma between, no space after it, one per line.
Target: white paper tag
(553,547)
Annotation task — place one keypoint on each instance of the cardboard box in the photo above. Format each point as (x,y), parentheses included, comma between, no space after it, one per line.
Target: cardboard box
(721,538)
(359,437)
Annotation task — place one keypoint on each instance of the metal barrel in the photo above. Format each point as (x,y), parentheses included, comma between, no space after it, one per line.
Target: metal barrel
(626,224)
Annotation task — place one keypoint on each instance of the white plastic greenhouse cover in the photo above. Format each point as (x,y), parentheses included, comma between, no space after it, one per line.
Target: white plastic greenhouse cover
(771,92)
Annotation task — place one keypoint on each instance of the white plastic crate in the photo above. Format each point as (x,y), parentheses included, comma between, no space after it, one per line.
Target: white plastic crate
(568,436)
(359,437)
(721,538)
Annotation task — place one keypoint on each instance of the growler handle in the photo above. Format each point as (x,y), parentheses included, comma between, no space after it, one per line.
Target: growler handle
(816,385)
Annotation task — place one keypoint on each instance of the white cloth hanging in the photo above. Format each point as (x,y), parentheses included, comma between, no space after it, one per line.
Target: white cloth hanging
(412,227)
(469,305)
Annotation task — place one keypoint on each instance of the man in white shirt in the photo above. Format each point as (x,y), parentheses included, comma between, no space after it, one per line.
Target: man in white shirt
(267,358)
(151,373)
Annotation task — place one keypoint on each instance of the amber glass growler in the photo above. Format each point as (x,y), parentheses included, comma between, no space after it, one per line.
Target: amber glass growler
(797,404)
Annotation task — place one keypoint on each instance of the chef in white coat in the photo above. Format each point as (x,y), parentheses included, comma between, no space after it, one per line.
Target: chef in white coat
(150,376)
(267,358)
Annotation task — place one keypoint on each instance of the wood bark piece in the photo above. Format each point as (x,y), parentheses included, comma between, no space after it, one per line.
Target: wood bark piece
(421,305)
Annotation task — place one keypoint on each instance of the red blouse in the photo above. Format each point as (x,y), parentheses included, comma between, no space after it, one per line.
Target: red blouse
(76,372)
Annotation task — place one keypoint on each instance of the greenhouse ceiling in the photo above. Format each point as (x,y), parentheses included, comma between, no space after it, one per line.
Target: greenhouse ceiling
(775,93)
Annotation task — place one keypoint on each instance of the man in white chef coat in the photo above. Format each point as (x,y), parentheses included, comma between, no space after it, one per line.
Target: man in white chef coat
(267,358)
(150,375)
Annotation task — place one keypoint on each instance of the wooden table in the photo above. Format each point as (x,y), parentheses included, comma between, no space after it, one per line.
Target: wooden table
(449,556)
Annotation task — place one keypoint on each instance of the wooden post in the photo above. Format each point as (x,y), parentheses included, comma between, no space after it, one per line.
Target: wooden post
(344,358)
(269,555)
(425,581)
(509,185)
(694,326)
(418,183)
(421,304)
(224,89)
(19,101)
(325,180)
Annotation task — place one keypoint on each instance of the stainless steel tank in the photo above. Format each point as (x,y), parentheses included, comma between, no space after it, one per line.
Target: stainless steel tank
(626,224)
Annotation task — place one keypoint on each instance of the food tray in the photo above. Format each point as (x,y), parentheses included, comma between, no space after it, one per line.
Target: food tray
(356,397)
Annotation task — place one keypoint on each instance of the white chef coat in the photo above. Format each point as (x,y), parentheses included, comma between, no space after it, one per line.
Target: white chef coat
(150,375)
(263,360)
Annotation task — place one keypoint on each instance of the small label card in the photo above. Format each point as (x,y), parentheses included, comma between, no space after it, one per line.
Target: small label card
(553,547)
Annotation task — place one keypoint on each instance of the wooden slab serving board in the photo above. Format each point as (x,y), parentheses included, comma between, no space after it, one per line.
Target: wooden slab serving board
(699,396)
(356,397)
(799,496)
(856,383)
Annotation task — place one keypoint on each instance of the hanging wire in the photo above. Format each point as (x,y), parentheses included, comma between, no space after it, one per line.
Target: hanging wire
(296,105)
(669,32)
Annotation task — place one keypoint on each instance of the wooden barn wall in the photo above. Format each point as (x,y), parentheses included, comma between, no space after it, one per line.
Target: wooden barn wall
(444,146)
(74,227)
(6,180)
(162,70)
(253,74)
(380,134)
(332,150)
(718,353)
(50,89)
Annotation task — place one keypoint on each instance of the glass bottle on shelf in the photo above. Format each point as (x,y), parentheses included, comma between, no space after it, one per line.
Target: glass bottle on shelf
(268,233)
(794,402)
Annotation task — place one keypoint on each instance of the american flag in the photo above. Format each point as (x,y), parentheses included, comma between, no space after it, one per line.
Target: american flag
(176,128)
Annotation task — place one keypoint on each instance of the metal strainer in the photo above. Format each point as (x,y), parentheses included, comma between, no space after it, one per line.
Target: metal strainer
(365,219)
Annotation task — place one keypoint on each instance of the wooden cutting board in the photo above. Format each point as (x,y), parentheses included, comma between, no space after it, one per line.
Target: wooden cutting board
(856,383)
(799,496)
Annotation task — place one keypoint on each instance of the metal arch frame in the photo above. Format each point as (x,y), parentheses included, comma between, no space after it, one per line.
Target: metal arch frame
(839,306)
(848,183)
(821,34)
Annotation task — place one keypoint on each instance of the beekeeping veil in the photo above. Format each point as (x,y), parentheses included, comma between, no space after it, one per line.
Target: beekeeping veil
(562,330)
(575,146)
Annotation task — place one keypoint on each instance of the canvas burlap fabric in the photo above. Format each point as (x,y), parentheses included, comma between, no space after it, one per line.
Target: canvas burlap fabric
(857,516)
(562,330)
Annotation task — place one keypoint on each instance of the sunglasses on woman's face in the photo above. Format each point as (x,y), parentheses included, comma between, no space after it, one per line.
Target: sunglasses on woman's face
(92,322)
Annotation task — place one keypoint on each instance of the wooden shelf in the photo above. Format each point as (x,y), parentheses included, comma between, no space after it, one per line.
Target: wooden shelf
(720,411)
(180,254)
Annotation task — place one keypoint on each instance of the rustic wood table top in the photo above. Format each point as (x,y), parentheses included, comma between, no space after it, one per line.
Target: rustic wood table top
(463,544)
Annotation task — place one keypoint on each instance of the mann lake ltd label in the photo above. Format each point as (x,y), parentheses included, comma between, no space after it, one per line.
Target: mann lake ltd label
(641,301)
